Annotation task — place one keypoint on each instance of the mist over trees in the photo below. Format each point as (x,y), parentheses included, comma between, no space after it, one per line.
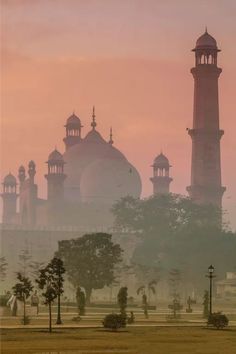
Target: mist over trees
(176,233)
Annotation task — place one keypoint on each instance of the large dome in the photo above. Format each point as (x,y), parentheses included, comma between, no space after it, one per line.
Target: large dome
(107,180)
(91,149)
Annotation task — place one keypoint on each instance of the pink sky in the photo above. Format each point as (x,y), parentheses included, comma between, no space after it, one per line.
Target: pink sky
(131,59)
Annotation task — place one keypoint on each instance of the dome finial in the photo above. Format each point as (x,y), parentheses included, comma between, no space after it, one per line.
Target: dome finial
(111,135)
(93,124)
(206,29)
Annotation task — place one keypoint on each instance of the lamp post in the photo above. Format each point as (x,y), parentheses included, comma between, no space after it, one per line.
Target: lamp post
(210,276)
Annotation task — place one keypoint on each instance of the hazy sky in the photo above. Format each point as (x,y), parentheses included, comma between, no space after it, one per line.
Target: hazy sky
(129,58)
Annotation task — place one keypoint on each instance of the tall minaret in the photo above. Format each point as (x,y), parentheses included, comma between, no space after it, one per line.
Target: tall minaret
(206,185)
(9,197)
(161,179)
(55,178)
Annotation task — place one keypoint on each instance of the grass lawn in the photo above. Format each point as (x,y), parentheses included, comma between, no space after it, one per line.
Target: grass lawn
(133,340)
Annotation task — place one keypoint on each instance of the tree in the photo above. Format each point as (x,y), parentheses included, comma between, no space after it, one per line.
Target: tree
(145,305)
(206,300)
(150,289)
(57,269)
(22,290)
(24,261)
(3,268)
(81,300)
(34,268)
(141,290)
(90,261)
(170,226)
(122,299)
(174,282)
(51,281)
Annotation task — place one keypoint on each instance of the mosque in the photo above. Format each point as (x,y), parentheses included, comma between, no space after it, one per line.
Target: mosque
(84,182)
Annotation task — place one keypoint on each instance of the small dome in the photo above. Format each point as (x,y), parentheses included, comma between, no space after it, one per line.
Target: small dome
(73,120)
(21,169)
(31,164)
(10,180)
(161,160)
(55,156)
(206,41)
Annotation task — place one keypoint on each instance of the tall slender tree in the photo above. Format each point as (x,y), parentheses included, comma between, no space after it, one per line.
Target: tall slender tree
(122,299)
(22,290)
(3,268)
(51,281)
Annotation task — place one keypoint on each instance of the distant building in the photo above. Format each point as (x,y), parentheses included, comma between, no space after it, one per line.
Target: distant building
(161,179)
(227,287)
(206,184)
(82,184)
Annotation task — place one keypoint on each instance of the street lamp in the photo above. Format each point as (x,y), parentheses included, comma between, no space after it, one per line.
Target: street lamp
(210,276)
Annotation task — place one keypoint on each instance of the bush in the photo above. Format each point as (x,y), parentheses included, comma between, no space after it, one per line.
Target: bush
(3,300)
(114,321)
(218,320)
(25,320)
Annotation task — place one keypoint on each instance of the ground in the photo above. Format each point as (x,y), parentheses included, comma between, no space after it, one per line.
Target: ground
(133,340)
(156,335)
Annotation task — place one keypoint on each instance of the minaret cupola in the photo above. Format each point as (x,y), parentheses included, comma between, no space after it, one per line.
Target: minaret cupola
(161,179)
(73,131)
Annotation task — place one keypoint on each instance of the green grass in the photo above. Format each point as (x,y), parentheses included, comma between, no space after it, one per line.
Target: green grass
(133,340)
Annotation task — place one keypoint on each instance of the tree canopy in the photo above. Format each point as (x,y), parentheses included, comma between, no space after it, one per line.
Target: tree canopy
(177,233)
(90,260)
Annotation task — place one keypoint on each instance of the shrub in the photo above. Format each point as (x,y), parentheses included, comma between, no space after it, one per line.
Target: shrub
(114,321)
(3,300)
(25,320)
(218,320)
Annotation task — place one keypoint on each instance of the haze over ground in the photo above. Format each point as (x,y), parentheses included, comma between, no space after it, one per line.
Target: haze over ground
(132,60)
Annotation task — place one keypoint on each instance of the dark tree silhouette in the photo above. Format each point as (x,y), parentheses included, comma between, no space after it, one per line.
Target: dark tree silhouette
(51,281)
(3,268)
(90,261)
(122,299)
(145,305)
(57,269)
(81,300)
(22,290)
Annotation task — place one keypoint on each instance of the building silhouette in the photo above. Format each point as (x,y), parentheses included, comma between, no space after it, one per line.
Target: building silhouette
(206,184)
(82,184)
(161,179)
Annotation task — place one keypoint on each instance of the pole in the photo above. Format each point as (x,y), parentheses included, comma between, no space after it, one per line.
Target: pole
(210,276)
